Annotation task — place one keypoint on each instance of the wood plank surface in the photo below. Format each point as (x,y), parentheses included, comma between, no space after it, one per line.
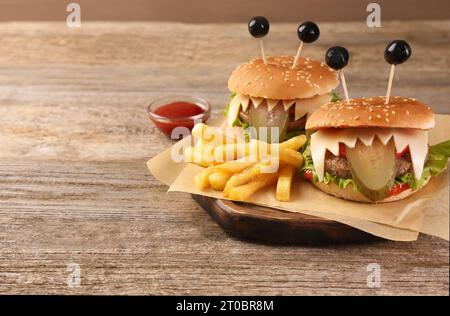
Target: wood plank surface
(74,139)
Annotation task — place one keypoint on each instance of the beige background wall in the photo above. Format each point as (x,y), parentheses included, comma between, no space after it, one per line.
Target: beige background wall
(222,10)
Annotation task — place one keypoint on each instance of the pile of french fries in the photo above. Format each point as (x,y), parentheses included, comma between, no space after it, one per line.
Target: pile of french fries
(240,169)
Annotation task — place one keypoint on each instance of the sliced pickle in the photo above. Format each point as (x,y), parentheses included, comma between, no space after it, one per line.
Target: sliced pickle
(262,117)
(373,168)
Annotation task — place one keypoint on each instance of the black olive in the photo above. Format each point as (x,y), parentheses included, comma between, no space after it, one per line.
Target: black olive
(308,32)
(397,52)
(337,57)
(258,26)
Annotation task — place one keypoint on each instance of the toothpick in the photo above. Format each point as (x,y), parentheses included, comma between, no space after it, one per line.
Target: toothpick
(344,85)
(299,53)
(391,78)
(261,44)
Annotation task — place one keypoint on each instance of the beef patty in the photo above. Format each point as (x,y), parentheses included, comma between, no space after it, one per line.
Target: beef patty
(338,166)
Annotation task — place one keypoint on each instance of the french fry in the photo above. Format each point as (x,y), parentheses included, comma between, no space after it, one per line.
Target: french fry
(295,143)
(194,156)
(284,183)
(291,157)
(260,149)
(244,192)
(235,166)
(234,151)
(201,179)
(218,180)
(198,130)
(243,177)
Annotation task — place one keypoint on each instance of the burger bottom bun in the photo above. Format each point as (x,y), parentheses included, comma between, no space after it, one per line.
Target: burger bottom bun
(350,194)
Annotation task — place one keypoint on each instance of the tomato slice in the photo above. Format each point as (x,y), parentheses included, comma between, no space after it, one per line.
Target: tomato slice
(308,175)
(342,150)
(398,188)
(402,153)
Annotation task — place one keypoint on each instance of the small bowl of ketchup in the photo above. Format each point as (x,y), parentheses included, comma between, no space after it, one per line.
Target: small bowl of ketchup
(170,112)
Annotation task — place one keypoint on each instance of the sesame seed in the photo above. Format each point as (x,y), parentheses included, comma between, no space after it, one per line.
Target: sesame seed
(407,112)
(292,84)
(342,121)
(387,120)
(286,79)
(393,112)
(270,78)
(379,116)
(356,118)
(247,83)
(370,118)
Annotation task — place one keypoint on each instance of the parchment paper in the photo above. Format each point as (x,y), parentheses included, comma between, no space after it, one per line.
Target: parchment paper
(427,211)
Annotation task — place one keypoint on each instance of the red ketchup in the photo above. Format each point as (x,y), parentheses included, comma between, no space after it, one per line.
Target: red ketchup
(176,114)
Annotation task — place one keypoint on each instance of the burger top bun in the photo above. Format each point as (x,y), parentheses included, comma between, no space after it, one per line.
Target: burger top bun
(352,195)
(276,80)
(401,112)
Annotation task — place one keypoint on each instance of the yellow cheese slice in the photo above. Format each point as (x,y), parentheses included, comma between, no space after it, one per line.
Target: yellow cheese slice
(272,103)
(256,101)
(329,139)
(287,104)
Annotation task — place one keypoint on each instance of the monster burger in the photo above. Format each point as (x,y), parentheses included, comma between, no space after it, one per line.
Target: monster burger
(368,151)
(273,92)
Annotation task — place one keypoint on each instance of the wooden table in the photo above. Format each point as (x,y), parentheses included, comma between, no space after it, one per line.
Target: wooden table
(74,139)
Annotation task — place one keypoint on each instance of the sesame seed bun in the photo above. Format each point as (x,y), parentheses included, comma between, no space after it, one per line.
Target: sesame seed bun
(352,195)
(372,112)
(276,80)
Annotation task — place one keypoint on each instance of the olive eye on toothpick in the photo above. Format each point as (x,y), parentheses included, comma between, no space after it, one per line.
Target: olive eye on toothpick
(396,53)
(337,57)
(258,27)
(307,32)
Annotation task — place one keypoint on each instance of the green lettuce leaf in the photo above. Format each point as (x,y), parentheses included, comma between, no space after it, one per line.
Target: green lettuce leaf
(244,126)
(335,97)
(437,162)
(227,107)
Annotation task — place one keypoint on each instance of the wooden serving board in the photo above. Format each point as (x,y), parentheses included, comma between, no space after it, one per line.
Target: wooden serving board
(276,226)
